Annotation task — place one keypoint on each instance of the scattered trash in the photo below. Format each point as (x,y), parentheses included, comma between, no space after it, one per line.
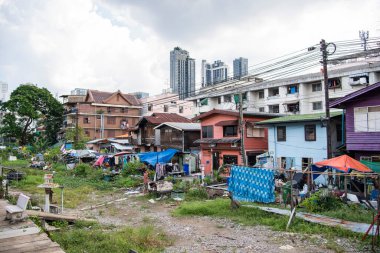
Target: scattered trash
(132,192)
(286,247)
(152,201)
(177,199)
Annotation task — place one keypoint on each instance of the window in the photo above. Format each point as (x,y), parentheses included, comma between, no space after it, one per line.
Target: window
(109,109)
(281,133)
(292,89)
(310,133)
(166,108)
(317,105)
(316,87)
(150,107)
(367,119)
(124,124)
(86,120)
(230,159)
(244,96)
(219,100)
(227,98)
(261,109)
(229,131)
(253,131)
(111,120)
(274,108)
(339,132)
(293,107)
(334,83)
(274,92)
(306,162)
(207,132)
(359,79)
(87,133)
(124,110)
(261,94)
(180,109)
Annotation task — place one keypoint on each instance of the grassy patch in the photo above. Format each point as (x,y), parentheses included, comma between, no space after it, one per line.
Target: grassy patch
(78,184)
(96,238)
(253,216)
(15,164)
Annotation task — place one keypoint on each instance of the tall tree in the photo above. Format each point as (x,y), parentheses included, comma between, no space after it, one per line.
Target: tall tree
(30,107)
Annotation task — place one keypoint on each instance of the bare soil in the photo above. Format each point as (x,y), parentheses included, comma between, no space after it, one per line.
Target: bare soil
(206,234)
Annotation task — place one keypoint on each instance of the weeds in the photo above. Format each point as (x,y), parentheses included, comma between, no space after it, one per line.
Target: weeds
(96,238)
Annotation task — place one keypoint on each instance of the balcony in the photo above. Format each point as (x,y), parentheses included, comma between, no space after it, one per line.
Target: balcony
(147,141)
(70,110)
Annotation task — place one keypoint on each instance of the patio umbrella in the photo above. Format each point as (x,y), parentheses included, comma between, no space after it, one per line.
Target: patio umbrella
(343,163)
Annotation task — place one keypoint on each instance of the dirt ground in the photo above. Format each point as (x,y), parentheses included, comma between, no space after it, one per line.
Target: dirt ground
(205,234)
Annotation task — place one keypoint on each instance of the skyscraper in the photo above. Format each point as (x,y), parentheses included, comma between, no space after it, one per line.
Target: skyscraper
(240,67)
(182,73)
(213,73)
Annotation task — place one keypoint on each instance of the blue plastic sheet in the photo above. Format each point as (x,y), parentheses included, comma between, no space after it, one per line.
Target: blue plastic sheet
(252,184)
(157,157)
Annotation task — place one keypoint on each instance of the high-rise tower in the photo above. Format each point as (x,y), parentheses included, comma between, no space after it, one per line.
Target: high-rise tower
(240,67)
(182,73)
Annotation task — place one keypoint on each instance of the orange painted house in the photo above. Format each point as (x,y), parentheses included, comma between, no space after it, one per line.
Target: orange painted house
(220,137)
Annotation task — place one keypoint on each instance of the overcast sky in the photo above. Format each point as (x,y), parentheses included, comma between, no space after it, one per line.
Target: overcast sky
(125,44)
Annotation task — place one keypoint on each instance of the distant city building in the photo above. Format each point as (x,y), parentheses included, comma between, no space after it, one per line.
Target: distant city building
(182,73)
(240,67)
(140,94)
(79,92)
(4,91)
(213,73)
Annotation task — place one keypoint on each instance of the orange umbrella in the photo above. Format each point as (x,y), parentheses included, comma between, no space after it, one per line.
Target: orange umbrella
(122,136)
(343,163)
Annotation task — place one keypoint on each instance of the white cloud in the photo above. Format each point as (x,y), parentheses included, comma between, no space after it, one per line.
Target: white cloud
(125,45)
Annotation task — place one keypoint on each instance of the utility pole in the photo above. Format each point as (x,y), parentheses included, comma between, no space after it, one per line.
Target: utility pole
(364,38)
(241,124)
(76,125)
(326,86)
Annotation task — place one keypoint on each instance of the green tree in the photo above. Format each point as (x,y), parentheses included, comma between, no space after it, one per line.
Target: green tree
(30,107)
(82,138)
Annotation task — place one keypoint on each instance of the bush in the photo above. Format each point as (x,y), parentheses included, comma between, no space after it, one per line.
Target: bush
(319,202)
(83,170)
(196,194)
(133,168)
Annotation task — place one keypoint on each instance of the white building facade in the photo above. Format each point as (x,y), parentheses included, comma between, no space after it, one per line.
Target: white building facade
(214,73)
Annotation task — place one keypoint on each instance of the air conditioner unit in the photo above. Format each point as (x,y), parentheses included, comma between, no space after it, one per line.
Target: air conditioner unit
(234,145)
(361,81)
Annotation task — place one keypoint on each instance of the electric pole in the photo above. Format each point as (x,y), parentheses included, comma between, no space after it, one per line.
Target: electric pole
(364,38)
(76,125)
(326,86)
(241,124)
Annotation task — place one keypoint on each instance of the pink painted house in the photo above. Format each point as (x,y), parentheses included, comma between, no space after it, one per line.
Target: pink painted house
(220,137)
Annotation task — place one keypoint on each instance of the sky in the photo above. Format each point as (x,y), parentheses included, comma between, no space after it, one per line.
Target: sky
(125,44)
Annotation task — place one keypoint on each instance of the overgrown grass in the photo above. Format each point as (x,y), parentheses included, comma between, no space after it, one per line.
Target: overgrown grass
(15,164)
(77,186)
(96,238)
(253,216)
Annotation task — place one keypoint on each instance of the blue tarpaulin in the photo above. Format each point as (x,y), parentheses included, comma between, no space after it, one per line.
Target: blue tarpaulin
(157,157)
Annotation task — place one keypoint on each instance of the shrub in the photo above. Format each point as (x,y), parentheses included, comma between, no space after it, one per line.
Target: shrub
(82,170)
(319,202)
(133,168)
(196,194)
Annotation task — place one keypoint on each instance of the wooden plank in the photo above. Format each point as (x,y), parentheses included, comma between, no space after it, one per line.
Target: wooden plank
(55,249)
(52,216)
(19,232)
(32,247)
(23,239)
(26,245)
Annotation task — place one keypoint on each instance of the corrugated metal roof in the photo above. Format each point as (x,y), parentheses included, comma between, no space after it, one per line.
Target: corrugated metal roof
(181,126)
(121,147)
(297,118)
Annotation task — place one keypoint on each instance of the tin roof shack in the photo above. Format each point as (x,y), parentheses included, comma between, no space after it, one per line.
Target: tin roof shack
(299,140)
(220,137)
(362,115)
(146,136)
(179,136)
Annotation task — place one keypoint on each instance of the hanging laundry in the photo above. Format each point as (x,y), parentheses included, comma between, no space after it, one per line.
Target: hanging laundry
(252,184)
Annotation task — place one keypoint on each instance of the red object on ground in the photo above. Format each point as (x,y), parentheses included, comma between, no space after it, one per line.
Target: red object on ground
(344,163)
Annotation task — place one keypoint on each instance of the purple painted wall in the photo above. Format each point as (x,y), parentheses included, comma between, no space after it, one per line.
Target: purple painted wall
(361,141)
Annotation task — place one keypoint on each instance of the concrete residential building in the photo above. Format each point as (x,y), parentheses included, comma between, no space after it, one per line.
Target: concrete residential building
(182,73)
(167,102)
(101,114)
(240,67)
(214,73)
(302,94)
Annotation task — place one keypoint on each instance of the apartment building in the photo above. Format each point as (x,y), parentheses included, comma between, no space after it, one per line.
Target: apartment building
(101,114)
(300,94)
